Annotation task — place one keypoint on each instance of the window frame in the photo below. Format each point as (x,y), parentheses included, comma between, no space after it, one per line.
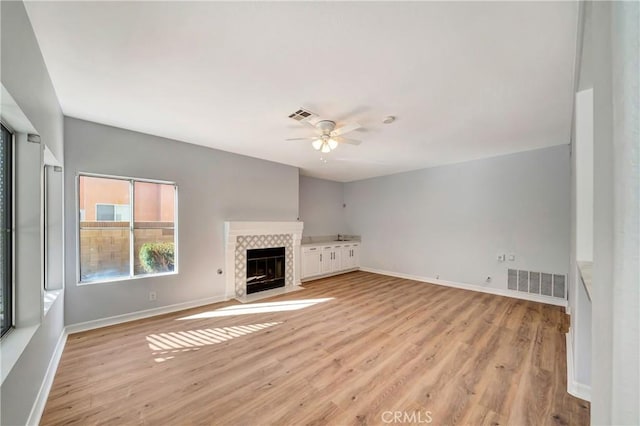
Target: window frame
(45,226)
(132,275)
(10,264)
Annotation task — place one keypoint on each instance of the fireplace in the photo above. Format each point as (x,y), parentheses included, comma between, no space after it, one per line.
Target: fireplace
(243,237)
(265,269)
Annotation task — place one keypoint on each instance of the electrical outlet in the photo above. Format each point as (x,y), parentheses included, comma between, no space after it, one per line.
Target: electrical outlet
(153,296)
(512,257)
(488,279)
(501,257)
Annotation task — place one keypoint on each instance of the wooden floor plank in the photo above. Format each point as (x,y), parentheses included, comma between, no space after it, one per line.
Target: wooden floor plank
(359,346)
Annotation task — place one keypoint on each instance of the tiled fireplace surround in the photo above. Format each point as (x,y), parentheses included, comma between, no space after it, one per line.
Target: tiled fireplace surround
(243,236)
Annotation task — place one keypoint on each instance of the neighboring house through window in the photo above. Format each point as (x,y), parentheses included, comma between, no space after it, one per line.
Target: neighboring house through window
(127,228)
(112,212)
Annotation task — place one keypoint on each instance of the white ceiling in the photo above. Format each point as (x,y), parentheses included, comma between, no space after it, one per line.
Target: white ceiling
(466,80)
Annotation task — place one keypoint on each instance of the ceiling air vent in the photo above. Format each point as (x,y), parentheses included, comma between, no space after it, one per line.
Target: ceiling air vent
(302,114)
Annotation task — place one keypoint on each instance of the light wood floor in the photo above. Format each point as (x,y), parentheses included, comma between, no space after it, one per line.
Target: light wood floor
(377,345)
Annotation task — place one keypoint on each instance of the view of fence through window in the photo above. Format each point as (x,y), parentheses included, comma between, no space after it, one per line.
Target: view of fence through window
(110,220)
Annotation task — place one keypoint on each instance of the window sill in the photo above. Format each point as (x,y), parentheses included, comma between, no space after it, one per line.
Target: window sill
(50,297)
(12,346)
(586,275)
(122,279)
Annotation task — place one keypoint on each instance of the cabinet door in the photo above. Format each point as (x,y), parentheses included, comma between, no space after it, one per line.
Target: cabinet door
(345,257)
(326,259)
(336,264)
(355,256)
(311,262)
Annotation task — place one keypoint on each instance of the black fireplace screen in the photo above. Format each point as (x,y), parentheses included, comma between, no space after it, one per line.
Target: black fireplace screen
(265,269)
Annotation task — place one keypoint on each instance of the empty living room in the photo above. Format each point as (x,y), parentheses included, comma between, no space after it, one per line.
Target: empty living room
(320,213)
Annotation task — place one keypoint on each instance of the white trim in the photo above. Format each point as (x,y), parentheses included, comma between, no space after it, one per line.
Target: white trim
(119,319)
(579,390)
(43,394)
(497,291)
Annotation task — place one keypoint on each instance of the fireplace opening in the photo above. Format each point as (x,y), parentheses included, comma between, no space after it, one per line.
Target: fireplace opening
(265,269)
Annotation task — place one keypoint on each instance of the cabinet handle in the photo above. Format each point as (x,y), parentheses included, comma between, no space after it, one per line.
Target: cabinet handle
(320,257)
(312,248)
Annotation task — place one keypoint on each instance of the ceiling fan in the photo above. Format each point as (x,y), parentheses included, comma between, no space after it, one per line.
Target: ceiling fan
(328,136)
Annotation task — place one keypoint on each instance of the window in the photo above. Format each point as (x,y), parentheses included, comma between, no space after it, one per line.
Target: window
(6,245)
(53,235)
(112,212)
(116,244)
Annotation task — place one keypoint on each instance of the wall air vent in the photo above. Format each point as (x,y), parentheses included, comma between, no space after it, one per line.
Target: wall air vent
(302,114)
(545,284)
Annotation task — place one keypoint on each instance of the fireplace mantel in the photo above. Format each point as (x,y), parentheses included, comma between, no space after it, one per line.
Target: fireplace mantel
(238,238)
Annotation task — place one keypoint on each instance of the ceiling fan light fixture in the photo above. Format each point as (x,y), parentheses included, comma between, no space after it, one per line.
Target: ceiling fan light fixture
(317,144)
(325,147)
(333,144)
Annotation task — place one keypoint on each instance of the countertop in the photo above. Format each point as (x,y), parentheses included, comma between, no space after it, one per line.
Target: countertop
(329,243)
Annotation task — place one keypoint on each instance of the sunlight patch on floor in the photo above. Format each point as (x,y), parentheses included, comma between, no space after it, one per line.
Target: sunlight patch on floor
(166,345)
(258,308)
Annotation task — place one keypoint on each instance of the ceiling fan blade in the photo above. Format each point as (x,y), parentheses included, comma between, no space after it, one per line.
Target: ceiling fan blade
(345,129)
(302,139)
(348,141)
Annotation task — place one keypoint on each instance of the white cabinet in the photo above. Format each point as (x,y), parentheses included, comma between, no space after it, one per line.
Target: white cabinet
(350,256)
(336,264)
(325,259)
(311,261)
(355,256)
(329,259)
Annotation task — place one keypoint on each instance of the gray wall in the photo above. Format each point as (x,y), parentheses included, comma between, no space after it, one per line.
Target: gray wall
(598,37)
(625,54)
(25,77)
(453,221)
(213,187)
(611,65)
(321,208)
(20,388)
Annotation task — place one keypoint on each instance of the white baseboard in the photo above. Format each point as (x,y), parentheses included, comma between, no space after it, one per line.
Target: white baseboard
(579,390)
(330,274)
(119,319)
(43,394)
(497,291)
